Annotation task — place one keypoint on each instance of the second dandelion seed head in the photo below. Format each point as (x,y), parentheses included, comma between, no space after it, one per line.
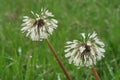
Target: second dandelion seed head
(41,26)
(86,52)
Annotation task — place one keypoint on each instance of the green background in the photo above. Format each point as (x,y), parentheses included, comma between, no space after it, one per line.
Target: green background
(75,17)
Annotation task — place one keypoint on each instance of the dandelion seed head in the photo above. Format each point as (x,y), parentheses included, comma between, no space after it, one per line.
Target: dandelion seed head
(86,52)
(41,26)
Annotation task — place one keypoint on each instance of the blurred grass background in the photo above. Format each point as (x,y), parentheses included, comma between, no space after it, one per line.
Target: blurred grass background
(22,59)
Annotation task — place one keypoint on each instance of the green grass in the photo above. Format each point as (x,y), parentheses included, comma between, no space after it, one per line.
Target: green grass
(74,16)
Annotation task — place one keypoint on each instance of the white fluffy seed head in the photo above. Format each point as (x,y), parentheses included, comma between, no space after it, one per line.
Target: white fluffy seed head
(41,27)
(87,53)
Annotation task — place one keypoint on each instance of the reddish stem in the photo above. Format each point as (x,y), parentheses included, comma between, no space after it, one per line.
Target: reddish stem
(95,73)
(58,60)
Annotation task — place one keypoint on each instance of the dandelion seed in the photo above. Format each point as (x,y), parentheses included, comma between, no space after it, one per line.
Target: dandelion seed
(41,27)
(85,53)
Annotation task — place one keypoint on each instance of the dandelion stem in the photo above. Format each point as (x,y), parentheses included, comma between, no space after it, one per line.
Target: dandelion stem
(58,60)
(95,73)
